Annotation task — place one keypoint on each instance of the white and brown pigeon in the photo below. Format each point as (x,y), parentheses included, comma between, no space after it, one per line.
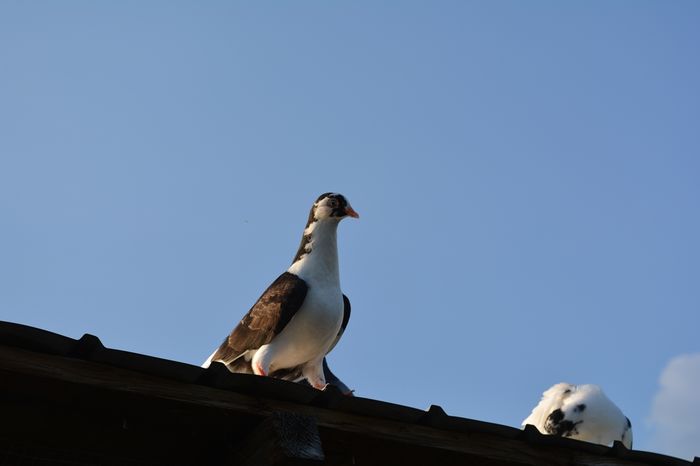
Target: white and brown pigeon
(301,316)
(580,412)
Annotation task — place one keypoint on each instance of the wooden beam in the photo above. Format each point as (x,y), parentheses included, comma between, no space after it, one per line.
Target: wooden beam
(494,449)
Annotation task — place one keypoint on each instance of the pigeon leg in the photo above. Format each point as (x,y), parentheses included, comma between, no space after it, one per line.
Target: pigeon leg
(258,370)
(261,361)
(313,372)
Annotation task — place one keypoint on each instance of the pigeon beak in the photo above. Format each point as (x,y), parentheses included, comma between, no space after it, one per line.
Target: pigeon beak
(351,212)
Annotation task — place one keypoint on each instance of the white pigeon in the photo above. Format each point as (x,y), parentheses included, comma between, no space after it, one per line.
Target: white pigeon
(582,412)
(300,317)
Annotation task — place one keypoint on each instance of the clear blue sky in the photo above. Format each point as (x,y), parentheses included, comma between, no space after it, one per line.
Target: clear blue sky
(527,175)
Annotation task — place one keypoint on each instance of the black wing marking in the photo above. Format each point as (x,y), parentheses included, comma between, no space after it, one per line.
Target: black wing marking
(346,319)
(628,429)
(346,315)
(267,318)
(556,424)
(330,377)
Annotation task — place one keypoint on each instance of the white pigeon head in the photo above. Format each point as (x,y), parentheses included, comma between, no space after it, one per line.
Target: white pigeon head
(332,206)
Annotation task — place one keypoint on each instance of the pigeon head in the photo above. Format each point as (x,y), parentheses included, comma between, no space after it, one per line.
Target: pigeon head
(332,206)
(324,217)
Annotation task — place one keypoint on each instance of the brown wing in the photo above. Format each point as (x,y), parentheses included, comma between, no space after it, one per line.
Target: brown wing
(268,316)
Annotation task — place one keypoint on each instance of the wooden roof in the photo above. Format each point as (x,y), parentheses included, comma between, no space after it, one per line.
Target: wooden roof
(66,401)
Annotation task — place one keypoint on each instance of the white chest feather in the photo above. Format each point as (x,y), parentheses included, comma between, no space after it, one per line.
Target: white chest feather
(312,330)
(314,327)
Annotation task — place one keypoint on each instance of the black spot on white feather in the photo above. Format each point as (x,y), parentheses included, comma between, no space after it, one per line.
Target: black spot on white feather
(339,204)
(557,425)
(320,198)
(305,245)
(580,408)
(627,434)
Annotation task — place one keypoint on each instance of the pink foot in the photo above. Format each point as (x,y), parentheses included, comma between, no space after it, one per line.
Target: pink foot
(259,370)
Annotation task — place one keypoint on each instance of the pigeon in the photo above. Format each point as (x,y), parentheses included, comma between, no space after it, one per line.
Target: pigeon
(300,317)
(581,412)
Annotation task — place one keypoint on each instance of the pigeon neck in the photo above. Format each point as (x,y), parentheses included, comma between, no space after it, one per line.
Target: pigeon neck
(317,256)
